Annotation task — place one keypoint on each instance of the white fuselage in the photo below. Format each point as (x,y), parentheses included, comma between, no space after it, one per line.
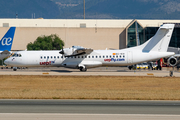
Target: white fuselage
(95,59)
(153,49)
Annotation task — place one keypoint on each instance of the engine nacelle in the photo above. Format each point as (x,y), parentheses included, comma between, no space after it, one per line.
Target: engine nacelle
(172,61)
(71,51)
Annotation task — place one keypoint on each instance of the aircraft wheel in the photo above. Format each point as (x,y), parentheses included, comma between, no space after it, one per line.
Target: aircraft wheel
(14,68)
(83,69)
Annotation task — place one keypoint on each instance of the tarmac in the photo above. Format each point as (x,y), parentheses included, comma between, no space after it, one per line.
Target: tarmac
(101,71)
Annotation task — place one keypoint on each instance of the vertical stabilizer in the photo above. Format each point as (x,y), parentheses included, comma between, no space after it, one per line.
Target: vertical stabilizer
(7,40)
(160,41)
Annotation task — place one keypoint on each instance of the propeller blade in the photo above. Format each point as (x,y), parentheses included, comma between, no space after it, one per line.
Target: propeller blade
(62,51)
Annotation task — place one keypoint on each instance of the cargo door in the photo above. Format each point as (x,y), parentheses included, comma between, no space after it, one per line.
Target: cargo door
(130,58)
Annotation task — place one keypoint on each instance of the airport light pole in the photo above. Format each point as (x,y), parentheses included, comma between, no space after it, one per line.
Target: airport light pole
(84,9)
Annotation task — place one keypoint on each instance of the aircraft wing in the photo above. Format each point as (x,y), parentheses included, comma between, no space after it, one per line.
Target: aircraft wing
(5,52)
(80,51)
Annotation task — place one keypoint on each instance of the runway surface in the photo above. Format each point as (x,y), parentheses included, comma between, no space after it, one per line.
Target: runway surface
(91,109)
(100,71)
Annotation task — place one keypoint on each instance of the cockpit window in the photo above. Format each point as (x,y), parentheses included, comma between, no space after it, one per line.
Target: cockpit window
(16,55)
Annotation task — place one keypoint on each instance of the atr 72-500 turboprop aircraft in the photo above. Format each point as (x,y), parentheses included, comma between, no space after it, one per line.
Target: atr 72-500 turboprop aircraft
(83,58)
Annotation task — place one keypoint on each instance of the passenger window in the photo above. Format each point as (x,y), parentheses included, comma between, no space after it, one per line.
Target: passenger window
(113,56)
(82,56)
(120,56)
(51,57)
(16,55)
(85,56)
(78,56)
(41,57)
(103,56)
(92,56)
(106,56)
(54,56)
(99,56)
(47,57)
(96,56)
(58,57)
(89,56)
(116,56)
(74,56)
(61,56)
(44,57)
(110,56)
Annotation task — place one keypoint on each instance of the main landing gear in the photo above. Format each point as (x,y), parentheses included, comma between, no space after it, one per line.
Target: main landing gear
(83,69)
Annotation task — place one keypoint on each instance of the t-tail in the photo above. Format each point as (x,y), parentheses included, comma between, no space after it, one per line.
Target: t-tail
(160,41)
(7,41)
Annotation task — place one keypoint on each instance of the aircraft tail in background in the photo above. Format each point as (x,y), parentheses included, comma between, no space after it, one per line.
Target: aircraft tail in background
(7,40)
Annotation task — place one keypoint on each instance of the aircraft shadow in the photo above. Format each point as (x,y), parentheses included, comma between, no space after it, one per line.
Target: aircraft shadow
(65,71)
(105,71)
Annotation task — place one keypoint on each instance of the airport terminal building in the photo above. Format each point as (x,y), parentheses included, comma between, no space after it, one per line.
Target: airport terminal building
(89,33)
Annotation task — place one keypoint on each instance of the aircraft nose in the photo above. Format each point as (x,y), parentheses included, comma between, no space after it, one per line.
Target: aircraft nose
(6,61)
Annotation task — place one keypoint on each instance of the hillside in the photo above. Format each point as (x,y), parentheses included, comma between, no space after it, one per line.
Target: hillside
(25,8)
(95,9)
(125,9)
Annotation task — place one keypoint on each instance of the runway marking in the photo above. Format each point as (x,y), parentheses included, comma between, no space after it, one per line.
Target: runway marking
(150,74)
(45,73)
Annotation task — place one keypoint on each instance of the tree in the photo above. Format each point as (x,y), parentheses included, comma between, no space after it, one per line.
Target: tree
(51,42)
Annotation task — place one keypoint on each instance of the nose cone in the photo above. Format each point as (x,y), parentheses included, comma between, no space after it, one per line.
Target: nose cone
(6,61)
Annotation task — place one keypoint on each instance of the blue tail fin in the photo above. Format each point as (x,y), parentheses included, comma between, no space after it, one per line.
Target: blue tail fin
(7,40)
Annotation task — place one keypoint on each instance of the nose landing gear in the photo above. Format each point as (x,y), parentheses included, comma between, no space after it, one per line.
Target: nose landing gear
(14,68)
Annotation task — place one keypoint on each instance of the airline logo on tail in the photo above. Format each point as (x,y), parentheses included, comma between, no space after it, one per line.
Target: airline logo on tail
(7,40)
